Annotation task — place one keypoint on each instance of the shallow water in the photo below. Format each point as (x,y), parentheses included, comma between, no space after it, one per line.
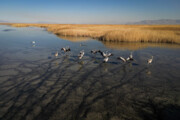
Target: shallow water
(35,85)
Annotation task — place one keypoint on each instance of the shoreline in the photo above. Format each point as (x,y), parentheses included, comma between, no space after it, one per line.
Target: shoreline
(113,33)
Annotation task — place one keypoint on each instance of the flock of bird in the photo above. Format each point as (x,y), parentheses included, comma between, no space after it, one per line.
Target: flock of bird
(106,55)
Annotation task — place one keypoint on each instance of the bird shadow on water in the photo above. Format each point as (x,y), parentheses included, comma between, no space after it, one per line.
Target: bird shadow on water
(64,87)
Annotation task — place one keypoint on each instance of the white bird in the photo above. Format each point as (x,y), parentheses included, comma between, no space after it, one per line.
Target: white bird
(109,54)
(105,54)
(149,61)
(56,54)
(105,59)
(121,58)
(131,56)
(127,59)
(64,49)
(81,54)
(33,42)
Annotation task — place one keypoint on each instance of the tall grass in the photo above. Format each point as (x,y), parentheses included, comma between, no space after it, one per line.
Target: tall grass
(141,35)
(116,33)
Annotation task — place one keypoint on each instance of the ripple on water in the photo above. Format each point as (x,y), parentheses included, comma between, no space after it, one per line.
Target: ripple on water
(34,84)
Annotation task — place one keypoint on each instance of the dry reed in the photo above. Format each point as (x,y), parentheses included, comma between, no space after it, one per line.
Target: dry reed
(117,33)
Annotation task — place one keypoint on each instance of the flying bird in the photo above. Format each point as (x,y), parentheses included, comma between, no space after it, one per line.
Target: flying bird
(81,54)
(105,54)
(131,56)
(94,51)
(149,61)
(128,58)
(66,49)
(121,58)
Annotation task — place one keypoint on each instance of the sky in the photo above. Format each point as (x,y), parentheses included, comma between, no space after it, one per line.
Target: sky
(87,11)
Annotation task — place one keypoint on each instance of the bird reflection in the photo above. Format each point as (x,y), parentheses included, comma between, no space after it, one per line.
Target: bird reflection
(81,64)
(148,72)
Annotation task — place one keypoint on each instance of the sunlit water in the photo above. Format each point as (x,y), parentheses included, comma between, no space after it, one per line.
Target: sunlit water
(35,85)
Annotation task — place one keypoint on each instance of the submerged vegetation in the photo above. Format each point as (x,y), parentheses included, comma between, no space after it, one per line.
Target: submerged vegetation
(116,33)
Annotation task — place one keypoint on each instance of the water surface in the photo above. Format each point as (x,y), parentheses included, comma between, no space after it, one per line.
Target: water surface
(35,85)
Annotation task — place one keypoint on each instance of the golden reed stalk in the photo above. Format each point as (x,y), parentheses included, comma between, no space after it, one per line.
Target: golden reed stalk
(116,33)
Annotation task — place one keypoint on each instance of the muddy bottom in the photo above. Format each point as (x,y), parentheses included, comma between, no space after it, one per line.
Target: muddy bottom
(36,85)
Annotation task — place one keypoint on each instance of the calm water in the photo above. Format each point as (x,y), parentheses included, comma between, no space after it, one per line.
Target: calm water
(35,85)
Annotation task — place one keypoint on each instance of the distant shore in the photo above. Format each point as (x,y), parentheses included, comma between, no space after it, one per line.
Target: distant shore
(115,33)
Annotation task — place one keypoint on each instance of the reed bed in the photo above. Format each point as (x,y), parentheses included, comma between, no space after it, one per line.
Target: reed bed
(140,35)
(115,33)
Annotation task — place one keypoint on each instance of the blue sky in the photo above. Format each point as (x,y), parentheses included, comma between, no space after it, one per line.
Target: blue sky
(88,11)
